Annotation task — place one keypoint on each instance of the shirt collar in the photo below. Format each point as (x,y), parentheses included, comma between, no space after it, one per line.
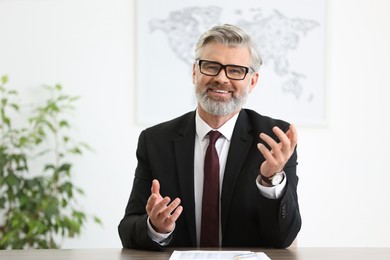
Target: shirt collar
(202,128)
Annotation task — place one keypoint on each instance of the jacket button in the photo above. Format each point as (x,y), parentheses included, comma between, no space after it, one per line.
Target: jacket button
(284,210)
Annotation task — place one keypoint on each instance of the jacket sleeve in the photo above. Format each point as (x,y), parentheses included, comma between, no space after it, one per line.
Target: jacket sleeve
(281,221)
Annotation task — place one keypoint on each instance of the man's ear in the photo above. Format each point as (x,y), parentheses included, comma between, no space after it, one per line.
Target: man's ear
(253,81)
(193,72)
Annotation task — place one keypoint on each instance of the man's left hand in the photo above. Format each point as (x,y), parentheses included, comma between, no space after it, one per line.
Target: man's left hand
(277,157)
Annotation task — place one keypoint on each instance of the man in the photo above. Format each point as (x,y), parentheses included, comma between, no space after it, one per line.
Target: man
(256,203)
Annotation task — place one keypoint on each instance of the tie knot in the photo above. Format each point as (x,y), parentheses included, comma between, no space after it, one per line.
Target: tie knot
(213,136)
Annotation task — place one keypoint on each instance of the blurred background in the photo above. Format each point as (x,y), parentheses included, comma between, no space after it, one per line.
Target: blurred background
(88,46)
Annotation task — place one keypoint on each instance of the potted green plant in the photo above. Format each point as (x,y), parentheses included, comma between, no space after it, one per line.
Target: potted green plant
(38,208)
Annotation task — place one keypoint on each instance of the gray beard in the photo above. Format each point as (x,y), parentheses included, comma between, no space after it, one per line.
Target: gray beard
(221,108)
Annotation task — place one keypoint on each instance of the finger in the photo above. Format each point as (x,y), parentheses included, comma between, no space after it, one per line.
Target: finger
(168,211)
(292,134)
(159,207)
(152,200)
(284,140)
(266,153)
(168,223)
(269,140)
(274,160)
(155,187)
(174,204)
(275,151)
(176,214)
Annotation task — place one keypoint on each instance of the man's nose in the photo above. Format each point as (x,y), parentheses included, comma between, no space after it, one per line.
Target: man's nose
(221,76)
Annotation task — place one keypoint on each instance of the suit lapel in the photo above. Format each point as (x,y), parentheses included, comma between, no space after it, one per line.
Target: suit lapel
(239,147)
(184,151)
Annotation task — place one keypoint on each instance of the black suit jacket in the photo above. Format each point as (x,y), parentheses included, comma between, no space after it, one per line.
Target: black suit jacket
(166,152)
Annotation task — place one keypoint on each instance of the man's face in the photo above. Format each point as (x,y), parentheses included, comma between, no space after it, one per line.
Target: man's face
(219,95)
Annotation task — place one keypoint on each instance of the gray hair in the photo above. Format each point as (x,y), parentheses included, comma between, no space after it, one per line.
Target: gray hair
(229,35)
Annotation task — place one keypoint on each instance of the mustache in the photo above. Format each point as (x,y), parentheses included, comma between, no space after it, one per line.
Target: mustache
(214,86)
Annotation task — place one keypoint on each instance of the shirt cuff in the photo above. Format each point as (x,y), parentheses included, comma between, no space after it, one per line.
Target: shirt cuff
(274,192)
(161,238)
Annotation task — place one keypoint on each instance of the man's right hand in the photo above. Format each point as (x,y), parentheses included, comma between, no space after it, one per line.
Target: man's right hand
(161,211)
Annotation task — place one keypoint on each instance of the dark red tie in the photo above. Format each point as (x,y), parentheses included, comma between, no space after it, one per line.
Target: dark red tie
(209,234)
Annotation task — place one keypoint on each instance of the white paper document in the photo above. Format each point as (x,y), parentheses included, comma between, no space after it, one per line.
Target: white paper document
(218,255)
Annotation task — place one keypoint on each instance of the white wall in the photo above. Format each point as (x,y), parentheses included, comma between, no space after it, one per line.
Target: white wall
(88,46)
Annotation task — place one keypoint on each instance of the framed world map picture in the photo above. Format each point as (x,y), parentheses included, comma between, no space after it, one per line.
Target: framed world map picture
(290,36)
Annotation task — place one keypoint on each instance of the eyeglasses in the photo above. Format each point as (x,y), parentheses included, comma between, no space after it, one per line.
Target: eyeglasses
(212,68)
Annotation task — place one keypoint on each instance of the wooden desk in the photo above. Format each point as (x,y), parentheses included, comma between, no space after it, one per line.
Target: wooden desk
(126,254)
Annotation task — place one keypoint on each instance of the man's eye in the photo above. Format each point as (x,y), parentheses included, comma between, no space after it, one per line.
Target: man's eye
(236,71)
(212,66)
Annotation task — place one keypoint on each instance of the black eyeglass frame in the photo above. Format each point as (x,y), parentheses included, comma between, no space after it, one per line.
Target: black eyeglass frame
(223,67)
